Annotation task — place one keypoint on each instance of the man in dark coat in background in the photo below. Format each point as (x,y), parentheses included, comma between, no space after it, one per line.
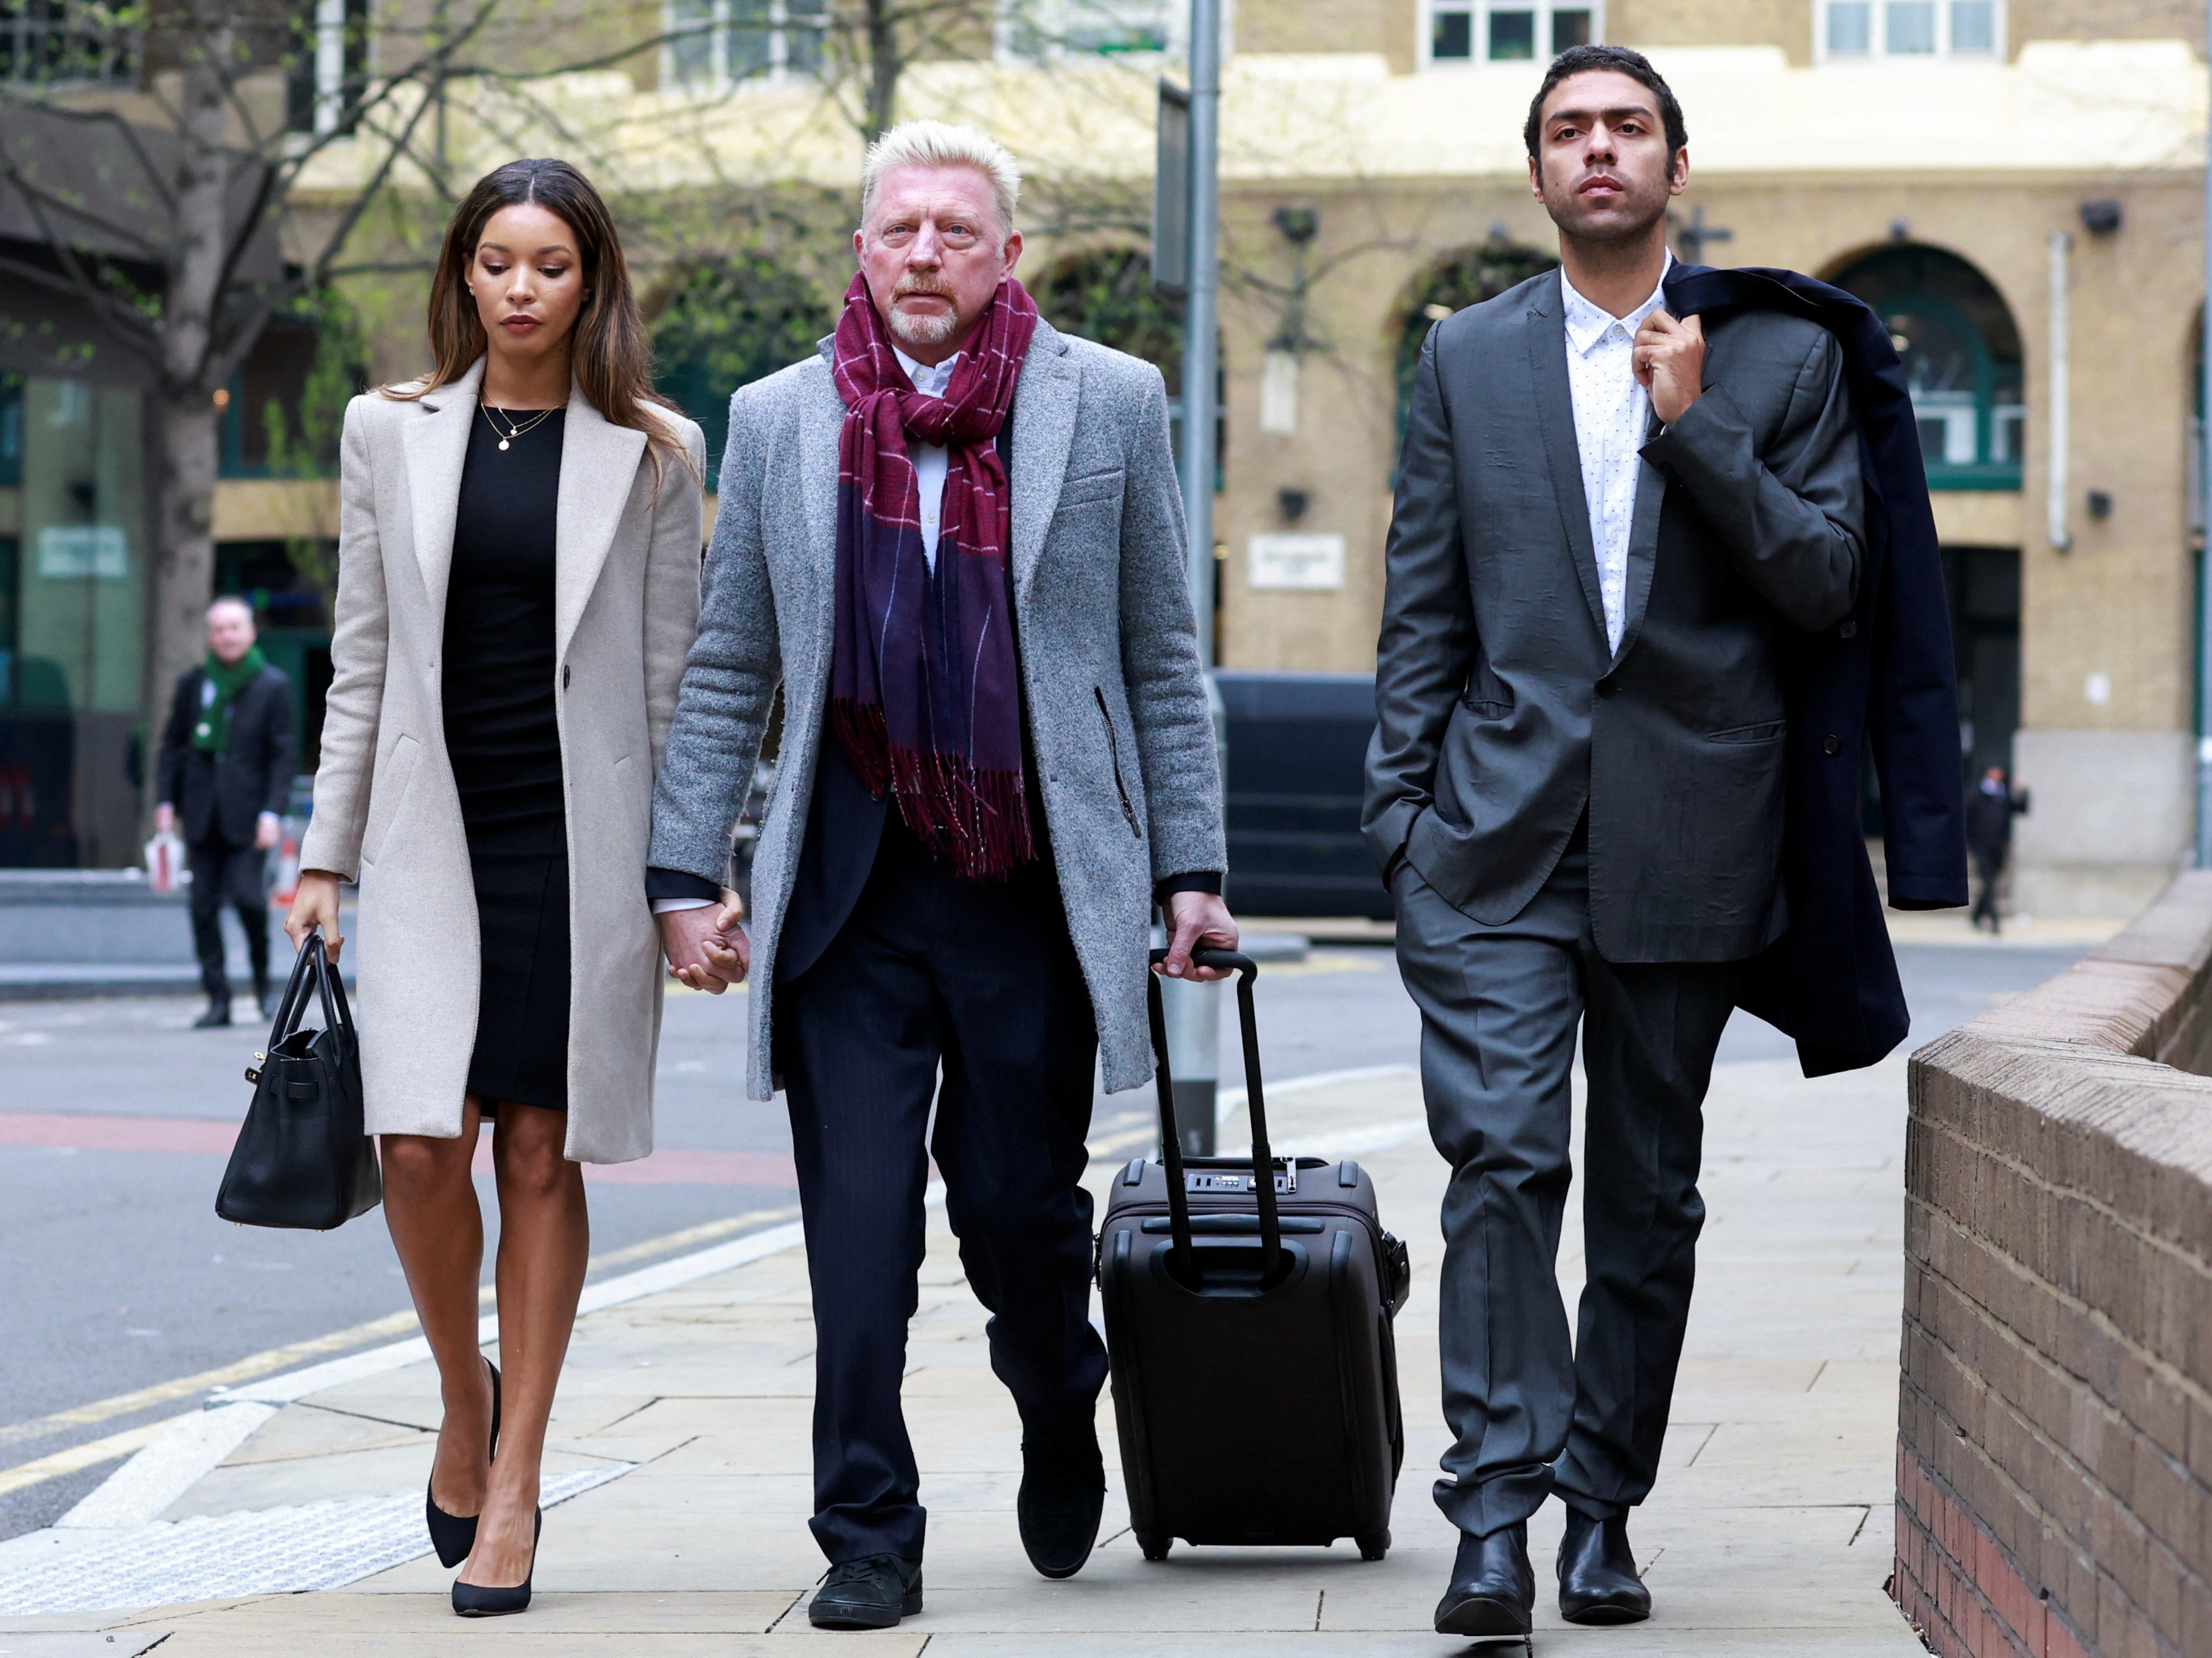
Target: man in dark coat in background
(1991,805)
(225,776)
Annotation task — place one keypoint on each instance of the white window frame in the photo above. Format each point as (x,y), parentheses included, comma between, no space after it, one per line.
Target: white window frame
(1878,37)
(332,84)
(722,31)
(25,36)
(1480,11)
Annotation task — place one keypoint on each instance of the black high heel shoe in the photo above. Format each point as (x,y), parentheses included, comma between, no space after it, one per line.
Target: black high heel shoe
(454,1534)
(476,1600)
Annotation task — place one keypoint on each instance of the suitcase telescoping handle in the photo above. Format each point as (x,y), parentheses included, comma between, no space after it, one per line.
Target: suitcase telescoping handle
(1263,1171)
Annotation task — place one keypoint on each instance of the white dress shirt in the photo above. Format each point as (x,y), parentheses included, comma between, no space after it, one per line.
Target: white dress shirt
(930,461)
(1611,411)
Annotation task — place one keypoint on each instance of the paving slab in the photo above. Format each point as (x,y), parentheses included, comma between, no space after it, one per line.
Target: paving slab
(1769,1532)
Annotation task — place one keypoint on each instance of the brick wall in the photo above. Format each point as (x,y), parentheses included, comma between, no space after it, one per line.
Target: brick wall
(2055,1422)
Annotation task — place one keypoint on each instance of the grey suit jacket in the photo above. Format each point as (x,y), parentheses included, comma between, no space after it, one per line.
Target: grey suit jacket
(1502,714)
(1114,692)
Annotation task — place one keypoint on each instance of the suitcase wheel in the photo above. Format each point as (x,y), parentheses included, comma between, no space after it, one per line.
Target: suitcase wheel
(1155,1546)
(1373,1547)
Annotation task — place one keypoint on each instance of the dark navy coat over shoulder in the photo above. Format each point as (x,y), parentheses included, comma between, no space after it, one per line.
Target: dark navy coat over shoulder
(1883,681)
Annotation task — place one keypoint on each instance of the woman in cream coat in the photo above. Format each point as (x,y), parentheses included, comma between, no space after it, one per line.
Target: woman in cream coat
(518,584)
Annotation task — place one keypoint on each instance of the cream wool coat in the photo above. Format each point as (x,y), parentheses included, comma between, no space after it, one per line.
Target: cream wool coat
(387,809)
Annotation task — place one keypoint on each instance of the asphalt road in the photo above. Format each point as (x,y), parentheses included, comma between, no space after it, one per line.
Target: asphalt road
(120,1277)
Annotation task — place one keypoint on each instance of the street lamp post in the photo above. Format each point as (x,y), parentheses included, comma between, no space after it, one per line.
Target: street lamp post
(1194,1010)
(1200,369)
(2204,517)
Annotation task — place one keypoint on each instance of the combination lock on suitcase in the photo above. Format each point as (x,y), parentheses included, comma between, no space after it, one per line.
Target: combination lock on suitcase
(1249,1307)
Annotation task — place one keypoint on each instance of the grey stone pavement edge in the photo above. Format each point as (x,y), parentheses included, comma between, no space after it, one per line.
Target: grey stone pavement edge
(1769,1532)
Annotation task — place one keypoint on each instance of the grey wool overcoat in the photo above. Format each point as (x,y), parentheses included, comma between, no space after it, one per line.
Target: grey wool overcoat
(1111,679)
(626,601)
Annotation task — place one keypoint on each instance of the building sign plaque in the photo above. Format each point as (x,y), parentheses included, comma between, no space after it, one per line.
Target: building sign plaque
(75,551)
(1297,563)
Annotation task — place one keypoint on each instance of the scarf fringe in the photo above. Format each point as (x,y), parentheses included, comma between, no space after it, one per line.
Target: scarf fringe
(976,821)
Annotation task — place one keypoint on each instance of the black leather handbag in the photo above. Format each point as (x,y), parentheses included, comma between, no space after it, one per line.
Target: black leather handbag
(302,1159)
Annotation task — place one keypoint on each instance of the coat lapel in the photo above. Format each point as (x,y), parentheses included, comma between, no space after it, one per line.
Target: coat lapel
(821,432)
(1044,431)
(598,466)
(1555,417)
(1642,545)
(437,448)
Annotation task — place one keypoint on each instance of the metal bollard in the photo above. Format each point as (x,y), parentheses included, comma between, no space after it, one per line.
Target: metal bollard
(1194,1020)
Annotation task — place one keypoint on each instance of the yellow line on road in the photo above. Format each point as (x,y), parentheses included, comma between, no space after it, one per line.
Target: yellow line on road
(77,1457)
(244,1370)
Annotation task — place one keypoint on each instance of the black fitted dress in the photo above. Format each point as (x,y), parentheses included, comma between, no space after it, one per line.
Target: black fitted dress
(504,738)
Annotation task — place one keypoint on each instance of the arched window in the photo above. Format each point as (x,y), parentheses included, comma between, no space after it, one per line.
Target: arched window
(1105,295)
(723,323)
(1962,354)
(1457,280)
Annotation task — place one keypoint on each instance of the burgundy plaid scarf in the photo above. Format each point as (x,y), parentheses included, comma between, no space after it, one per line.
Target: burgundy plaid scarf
(925,696)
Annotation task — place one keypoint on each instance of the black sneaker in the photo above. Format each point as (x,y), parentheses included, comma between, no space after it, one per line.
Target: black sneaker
(1061,1501)
(873,1592)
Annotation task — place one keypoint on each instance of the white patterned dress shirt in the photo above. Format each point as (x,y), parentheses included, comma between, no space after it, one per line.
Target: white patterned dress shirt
(930,461)
(1611,411)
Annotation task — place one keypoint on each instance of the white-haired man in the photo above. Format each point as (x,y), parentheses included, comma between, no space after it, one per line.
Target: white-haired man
(956,540)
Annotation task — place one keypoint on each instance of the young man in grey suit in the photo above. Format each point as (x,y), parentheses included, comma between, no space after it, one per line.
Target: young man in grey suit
(1609,531)
(956,540)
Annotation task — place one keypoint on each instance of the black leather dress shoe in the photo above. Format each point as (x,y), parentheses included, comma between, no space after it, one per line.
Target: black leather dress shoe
(1493,1588)
(1062,1497)
(871,1593)
(1598,1583)
(216,1017)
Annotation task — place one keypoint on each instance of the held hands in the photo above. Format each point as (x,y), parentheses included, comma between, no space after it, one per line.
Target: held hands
(1670,363)
(706,947)
(315,904)
(1196,920)
(165,819)
(267,829)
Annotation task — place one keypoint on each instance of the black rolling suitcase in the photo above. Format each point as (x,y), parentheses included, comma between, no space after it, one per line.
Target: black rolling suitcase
(1248,1323)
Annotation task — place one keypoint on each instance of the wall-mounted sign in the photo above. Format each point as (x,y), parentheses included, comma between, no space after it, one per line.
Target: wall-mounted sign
(1296,563)
(1278,394)
(75,551)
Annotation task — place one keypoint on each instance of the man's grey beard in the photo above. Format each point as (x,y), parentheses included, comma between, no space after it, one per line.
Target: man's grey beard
(911,329)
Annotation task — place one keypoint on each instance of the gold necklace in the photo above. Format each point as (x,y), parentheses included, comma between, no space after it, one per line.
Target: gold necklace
(492,419)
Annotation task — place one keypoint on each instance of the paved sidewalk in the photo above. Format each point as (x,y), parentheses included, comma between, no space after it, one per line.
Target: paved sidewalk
(686,1413)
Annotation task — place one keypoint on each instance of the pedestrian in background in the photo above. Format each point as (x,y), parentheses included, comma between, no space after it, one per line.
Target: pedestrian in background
(517,581)
(1612,530)
(225,776)
(955,539)
(1991,805)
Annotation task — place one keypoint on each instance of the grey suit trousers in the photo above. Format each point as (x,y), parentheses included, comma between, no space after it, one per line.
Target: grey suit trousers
(1530,1412)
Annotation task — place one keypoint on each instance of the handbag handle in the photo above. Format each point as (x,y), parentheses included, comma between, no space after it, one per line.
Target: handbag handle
(313,965)
(289,1005)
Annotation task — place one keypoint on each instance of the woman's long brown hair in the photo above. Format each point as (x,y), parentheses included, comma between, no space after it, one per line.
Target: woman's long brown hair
(609,352)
